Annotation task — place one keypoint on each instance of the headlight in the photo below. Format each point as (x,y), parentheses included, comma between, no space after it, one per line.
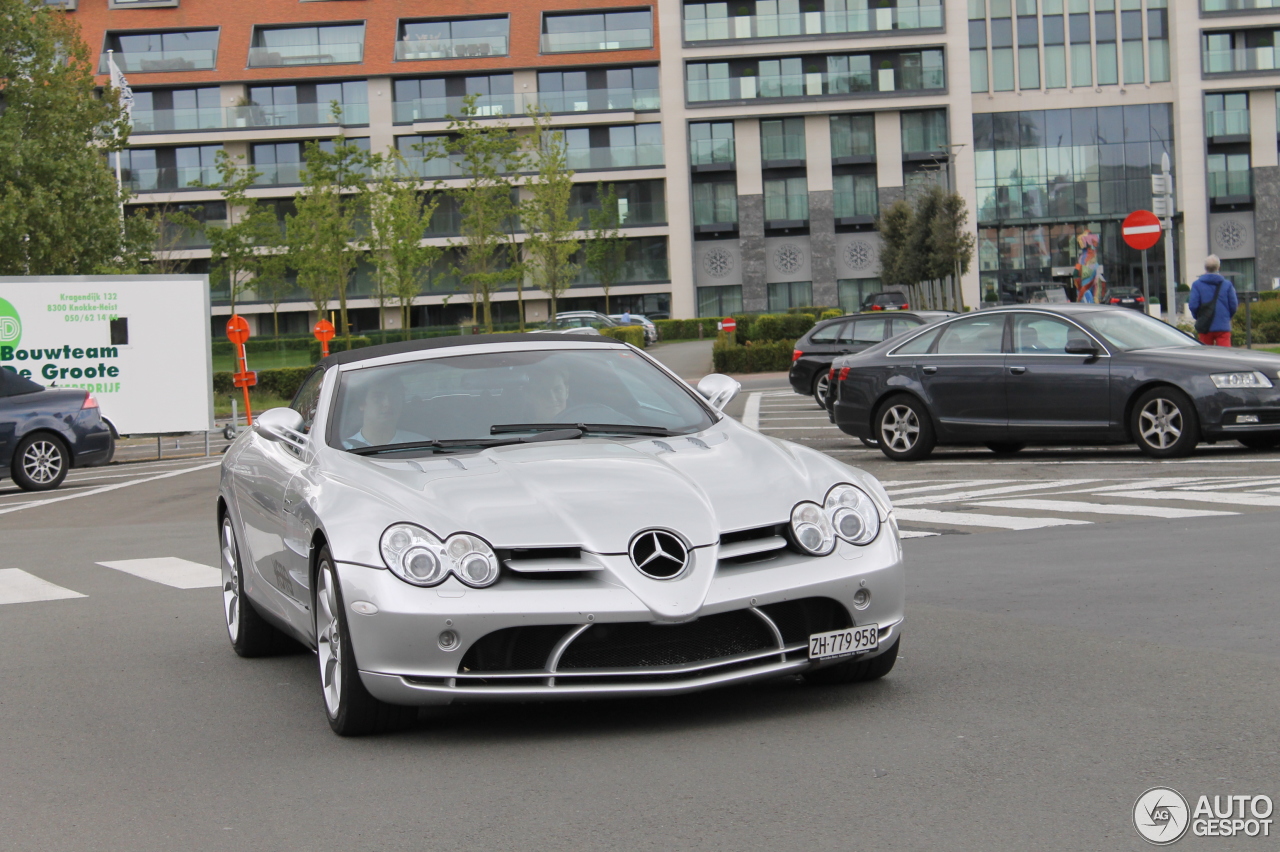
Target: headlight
(418,557)
(811,529)
(1252,379)
(853,513)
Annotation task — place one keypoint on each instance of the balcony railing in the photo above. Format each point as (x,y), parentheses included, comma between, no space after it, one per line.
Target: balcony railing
(814,23)
(161,60)
(1236,184)
(788,146)
(173,237)
(1241,59)
(1227,122)
(451,48)
(278,174)
(859,202)
(617,157)
(706,152)
(630,214)
(599,100)
(167,120)
(723,211)
(1237,5)
(306,54)
(582,42)
(786,208)
(438,109)
(170,178)
(817,83)
(431,167)
(296,115)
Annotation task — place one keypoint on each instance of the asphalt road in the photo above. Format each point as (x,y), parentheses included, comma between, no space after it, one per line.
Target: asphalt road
(1049,675)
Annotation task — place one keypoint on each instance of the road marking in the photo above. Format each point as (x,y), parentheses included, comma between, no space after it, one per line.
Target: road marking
(751,413)
(1159,482)
(1238,499)
(788,428)
(105,488)
(973,519)
(986,492)
(1235,483)
(916,534)
(1100,508)
(171,571)
(794,417)
(955,483)
(17,586)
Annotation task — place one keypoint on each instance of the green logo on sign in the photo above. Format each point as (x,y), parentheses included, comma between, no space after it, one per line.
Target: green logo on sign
(10,324)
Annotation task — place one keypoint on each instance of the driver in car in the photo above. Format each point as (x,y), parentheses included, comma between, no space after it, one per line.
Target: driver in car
(548,396)
(380,418)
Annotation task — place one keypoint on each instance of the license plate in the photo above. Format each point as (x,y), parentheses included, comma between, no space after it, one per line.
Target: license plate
(844,643)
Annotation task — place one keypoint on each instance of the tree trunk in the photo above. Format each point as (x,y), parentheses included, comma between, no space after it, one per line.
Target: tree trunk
(275,319)
(606,301)
(342,314)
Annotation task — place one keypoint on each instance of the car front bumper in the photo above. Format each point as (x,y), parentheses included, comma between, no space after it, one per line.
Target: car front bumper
(402,660)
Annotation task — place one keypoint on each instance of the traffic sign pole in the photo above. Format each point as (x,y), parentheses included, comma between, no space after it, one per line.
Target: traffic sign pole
(1171,306)
(1146,296)
(238,334)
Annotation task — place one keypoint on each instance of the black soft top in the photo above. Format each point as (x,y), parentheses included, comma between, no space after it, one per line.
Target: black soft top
(404,346)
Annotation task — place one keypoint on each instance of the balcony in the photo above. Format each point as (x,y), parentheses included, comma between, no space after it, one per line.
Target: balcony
(296,115)
(1232,187)
(921,78)
(715,214)
(584,42)
(279,174)
(860,204)
(173,120)
(306,54)
(631,214)
(882,20)
(1240,59)
(618,157)
(161,60)
(785,148)
(786,211)
(170,178)
(711,152)
(599,100)
(439,109)
(431,167)
(175,237)
(451,48)
(1226,122)
(1238,5)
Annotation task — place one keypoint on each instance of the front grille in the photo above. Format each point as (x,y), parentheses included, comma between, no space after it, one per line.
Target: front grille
(615,646)
(514,649)
(796,620)
(752,534)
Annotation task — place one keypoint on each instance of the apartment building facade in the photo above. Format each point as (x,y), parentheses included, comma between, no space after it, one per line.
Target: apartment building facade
(752,142)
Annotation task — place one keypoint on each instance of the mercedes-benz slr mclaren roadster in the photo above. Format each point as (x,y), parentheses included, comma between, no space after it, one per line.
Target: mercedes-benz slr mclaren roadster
(537,516)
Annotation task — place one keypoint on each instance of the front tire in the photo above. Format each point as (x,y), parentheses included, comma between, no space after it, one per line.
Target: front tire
(1164,423)
(857,670)
(822,388)
(40,462)
(1265,441)
(904,429)
(249,632)
(349,707)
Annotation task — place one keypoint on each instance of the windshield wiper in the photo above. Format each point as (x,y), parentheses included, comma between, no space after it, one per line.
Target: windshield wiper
(585,428)
(559,434)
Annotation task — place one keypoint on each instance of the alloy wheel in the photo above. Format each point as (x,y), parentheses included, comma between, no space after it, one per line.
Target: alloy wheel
(900,428)
(1160,423)
(820,390)
(329,639)
(42,462)
(230,580)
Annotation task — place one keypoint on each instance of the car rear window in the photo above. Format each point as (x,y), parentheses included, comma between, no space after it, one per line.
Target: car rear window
(917,346)
(827,334)
(11,384)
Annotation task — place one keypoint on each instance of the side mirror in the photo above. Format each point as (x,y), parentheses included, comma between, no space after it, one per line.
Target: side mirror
(719,389)
(280,424)
(1081,346)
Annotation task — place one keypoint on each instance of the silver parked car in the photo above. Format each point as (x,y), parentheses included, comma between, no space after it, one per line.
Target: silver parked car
(540,516)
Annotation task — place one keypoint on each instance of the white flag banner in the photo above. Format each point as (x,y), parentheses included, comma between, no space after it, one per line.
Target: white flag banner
(119,81)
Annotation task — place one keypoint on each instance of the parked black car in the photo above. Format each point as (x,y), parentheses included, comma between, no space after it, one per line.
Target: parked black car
(1067,374)
(886,300)
(44,432)
(1129,297)
(829,339)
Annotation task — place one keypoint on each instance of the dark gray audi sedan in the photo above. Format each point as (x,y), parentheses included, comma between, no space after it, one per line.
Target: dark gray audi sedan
(1061,374)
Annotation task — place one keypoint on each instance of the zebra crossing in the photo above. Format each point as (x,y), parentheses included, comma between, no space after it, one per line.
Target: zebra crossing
(18,586)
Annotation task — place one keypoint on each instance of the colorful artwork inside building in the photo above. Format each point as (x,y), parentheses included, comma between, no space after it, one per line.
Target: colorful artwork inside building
(1090,284)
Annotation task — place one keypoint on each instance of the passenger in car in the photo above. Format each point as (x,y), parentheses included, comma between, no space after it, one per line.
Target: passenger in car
(379,414)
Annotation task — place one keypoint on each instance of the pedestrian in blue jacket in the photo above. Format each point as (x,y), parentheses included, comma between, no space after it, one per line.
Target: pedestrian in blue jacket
(1213,303)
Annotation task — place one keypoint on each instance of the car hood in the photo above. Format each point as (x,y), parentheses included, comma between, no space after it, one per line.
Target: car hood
(1212,358)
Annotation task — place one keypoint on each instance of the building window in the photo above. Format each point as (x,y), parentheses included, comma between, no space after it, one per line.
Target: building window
(177,50)
(435,98)
(853,292)
(839,74)
(855,196)
(705,21)
(621,147)
(304,104)
(640,202)
(580,33)
(719,301)
(165,110)
(1230,179)
(978,55)
(158,169)
(790,294)
(853,138)
(645,263)
(1158,44)
(599,89)
(925,132)
(1055,52)
(1104,24)
(1081,54)
(323,45)
(711,143)
(1028,52)
(425,157)
(280,163)
(1245,50)
(782,142)
(715,203)
(786,202)
(453,38)
(1240,272)
(1131,36)
(1226,114)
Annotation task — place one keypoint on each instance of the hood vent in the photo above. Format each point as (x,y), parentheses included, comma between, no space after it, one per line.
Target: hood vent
(751,545)
(548,560)
(682,444)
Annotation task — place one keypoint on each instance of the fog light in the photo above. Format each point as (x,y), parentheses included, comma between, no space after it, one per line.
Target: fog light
(448,640)
(861,599)
(1247,418)
(364,608)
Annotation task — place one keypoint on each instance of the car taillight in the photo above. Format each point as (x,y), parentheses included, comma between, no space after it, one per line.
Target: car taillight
(1115,301)
(89,402)
(1140,299)
(844,373)
(905,306)
(877,308)
(795,354)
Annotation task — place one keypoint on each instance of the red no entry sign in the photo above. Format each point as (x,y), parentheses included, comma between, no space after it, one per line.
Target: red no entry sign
(729,324)
(1141,229)
(324,331)
(237,329)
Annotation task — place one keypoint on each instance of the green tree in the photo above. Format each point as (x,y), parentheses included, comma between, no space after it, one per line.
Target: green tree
(605,249)
(921,263)
(953,242)
(321,235)
(487,154)
(550,246)
(270,267)
(399,216)
(896,263)
(60,204)
(249,224)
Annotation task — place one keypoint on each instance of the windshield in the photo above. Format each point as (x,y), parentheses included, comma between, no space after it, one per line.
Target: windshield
(471,397)
(1127,330)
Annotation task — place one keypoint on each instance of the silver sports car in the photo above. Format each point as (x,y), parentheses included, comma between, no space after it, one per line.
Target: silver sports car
(537,516)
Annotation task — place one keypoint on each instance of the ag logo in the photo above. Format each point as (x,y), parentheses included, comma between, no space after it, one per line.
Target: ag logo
(1161,816)
(10,324)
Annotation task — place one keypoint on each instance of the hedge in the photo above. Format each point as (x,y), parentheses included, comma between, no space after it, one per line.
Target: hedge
(282,383)
(338,344)
(686,329)
(767,357)
(833,313)
(264,344)
(633,334)
(768,327)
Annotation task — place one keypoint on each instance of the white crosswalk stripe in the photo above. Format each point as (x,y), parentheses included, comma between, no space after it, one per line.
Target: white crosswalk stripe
(17,586)
(1083,508)
(1238,499)
(975,519)
(171,571)
(986,492)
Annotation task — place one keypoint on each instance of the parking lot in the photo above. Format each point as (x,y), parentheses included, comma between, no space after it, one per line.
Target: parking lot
(1081,625)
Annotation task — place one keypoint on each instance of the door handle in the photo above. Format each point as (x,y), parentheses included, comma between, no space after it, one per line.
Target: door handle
(930,370)
(1017,371)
